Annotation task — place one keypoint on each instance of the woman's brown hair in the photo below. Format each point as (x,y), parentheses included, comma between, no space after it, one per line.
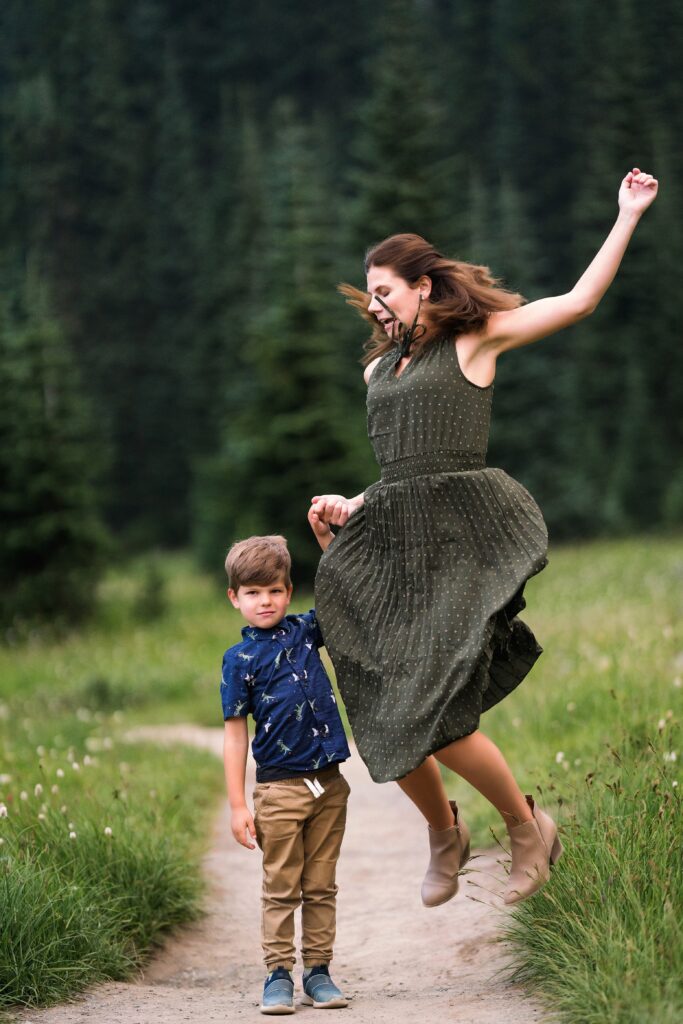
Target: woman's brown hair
(462,298)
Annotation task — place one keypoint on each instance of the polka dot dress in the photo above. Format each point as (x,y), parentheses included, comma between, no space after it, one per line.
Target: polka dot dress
(418,594)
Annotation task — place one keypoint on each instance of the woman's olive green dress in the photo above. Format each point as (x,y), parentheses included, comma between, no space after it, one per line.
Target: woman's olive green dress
(418,594)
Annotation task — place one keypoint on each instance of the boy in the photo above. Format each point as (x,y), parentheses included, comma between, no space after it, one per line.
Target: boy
(275,673)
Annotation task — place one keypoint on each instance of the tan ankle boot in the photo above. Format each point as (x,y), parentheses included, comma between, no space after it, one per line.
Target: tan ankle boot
(450,851)
(534,846)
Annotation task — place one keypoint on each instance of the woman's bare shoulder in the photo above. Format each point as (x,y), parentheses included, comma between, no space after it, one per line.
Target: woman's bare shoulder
(368,371)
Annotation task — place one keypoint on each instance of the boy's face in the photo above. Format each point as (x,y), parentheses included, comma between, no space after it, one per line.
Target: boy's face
(262,606)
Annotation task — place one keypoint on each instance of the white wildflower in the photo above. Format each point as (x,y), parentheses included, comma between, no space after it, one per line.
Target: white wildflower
(87,760)
(76,766)
(107,831)
(678,682)
(63,808)
(1,841)
(60,773)
(40,751)
(670,755)
(5,780)
(674,783)
(72,835)
(71,825)
(571,706)
(565,765)
(107,743)
(661,725)
(3,811)
(559,757)
(37,789)
(54,789)
(23,795)
(41,816)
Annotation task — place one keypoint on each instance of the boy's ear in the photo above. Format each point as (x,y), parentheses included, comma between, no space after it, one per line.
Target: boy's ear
(232,597)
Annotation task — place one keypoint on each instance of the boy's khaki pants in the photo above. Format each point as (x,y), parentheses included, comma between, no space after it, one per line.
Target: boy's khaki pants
(300,837)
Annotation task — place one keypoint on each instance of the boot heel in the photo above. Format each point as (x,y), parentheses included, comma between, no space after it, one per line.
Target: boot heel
(557,850)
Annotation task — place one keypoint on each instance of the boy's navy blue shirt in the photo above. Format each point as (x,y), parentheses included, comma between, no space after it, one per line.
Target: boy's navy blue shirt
(277,676)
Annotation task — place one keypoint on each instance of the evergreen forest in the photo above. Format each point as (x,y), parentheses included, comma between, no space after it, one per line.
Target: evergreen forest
(183,185)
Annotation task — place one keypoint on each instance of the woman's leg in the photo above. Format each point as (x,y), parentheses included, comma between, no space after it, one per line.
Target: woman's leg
(425,788)
(479,761)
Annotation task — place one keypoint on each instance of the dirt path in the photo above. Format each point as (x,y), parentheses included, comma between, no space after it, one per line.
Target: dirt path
(398,961)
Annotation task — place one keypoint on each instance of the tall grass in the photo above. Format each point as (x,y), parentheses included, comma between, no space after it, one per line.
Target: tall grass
(99,856)
(603,942)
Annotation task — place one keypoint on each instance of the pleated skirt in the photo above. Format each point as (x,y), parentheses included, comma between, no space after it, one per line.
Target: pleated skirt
(418,599)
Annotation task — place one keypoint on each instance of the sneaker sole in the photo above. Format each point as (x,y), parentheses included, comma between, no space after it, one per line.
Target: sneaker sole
(331,1004)
(279,1008)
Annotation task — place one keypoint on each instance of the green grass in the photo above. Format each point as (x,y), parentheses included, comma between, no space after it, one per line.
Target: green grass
(586,733)
(603,942)
(595,734)
(100,845)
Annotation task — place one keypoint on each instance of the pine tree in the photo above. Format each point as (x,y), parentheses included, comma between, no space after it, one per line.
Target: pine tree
(397,181)
(287,435)
(52,540)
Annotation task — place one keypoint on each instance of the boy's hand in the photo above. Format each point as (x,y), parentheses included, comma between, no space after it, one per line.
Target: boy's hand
(242,824)
(322,531)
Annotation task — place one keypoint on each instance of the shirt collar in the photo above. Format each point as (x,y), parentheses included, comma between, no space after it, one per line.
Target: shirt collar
(277,632)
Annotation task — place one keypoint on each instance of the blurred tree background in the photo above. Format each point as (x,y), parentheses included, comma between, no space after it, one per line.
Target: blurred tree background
(184,184)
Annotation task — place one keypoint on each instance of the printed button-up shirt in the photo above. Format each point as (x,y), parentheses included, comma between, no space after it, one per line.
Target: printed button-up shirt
(277,676)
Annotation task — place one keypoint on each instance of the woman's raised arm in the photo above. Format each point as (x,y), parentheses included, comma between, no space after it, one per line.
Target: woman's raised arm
(516,327)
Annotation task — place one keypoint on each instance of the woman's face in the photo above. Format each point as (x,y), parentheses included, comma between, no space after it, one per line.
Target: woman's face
(401,297)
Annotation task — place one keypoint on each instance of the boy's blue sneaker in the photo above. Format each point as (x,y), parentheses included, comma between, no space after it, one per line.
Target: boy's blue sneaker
(320,991)
(278,992)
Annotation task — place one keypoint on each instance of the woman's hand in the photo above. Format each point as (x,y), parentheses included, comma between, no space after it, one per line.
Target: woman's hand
(333,508)
(638,190)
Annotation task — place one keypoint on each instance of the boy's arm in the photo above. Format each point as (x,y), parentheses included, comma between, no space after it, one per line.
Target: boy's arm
(235,749)
(322,531)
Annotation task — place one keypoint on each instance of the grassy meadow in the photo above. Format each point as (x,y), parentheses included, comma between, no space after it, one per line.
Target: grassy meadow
(593,733)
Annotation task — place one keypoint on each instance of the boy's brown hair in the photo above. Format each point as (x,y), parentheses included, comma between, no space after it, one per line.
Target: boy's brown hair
(258,561)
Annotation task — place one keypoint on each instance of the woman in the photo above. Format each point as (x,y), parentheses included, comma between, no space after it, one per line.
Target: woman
(419,592)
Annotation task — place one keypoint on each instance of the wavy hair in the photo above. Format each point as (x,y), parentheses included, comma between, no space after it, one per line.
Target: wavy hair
(462,298)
